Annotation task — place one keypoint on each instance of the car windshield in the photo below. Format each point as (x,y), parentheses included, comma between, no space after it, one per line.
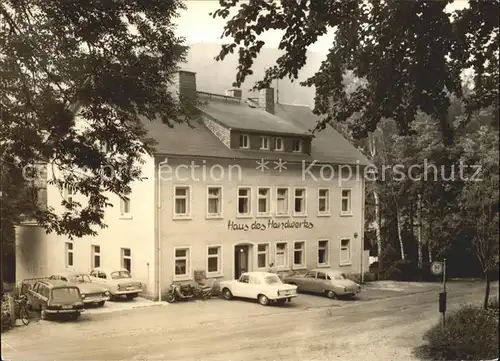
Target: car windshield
(120,274)
(271,280)
(65,295)
(339,276)
(81,279)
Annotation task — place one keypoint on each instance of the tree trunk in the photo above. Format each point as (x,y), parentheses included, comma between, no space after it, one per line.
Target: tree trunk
(487,290)
(372,145)
(419,232)
(377,232)
(398,219)
(429,246)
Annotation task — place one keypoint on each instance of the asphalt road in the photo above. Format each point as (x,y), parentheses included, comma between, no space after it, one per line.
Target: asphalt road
(381,325)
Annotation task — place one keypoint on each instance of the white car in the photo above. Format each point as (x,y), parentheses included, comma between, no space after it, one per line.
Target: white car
(119,282)
(262,286)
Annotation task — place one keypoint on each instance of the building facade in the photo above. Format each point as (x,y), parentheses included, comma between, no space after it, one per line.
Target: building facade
(248,186)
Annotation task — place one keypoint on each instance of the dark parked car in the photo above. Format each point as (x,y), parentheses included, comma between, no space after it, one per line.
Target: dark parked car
(325,281)
(55,297)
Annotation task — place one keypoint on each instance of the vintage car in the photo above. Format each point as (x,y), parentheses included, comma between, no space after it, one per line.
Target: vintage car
(119,282)
(55,297)
(92,293)
(262,286)
(325,281)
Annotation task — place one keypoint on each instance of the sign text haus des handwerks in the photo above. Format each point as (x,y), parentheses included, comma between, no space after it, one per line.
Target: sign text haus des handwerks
(271,224)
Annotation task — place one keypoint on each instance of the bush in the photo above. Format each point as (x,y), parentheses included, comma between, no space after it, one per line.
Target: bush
(471,333)
(6,313)
(370,277)
(401,271)
(494,306)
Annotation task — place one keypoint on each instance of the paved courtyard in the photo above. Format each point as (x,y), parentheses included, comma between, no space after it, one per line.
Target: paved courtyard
(383,323)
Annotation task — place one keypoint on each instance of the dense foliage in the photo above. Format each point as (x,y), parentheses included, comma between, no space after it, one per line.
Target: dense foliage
(471,333)
(77,78)
(412,85)
(409,54)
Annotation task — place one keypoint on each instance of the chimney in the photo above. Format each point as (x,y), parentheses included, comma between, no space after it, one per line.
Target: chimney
(185,84)
(266,100)
(236,93)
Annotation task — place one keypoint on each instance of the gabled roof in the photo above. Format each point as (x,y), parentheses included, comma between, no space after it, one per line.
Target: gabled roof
(238,115)
(328,146)
(328,143)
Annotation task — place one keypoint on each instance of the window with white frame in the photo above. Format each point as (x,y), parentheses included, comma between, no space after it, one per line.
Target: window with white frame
(244,201)
(181,201)
(262,255)
(181,261)
(346,201)
(264,143)
(299,207)
(323,201)
(264,200)
(297,145)
(127,259)
(278,144)
(69,254)
(282,201)
(214,206)
(345,251)
(244,141)
(281,256)
(96,256)
(323,252)
(214,259)
(299,253)
(125,205)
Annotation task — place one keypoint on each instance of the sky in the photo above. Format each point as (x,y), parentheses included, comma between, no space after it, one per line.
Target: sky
(197,26)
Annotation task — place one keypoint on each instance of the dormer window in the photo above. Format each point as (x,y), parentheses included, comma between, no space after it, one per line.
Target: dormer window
(264,143)
(278,144)
(244,141)
(297,145)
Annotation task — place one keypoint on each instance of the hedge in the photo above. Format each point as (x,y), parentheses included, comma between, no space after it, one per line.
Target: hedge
(471,333)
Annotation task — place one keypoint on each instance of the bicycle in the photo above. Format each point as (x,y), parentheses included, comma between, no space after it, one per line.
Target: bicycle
(24,315)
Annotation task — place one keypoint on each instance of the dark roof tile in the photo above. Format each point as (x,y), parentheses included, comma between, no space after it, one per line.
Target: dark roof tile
(328,146)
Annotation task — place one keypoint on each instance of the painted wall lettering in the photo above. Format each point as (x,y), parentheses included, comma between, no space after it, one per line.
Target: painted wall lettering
(271,224)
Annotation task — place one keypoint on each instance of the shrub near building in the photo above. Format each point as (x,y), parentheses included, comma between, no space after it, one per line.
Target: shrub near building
(471,333)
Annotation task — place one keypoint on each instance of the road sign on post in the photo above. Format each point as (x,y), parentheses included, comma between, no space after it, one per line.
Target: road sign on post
(439,268)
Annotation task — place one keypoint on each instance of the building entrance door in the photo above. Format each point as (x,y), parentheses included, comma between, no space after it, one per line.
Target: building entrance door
(241,260)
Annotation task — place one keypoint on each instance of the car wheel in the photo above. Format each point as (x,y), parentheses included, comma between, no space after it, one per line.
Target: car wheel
(100,304)
(263,300)
(281,302)
(330,294)
(170,297)
(226,293)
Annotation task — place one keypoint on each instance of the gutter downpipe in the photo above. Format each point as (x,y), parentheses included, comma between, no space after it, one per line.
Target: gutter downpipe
(158,220)
(362,233)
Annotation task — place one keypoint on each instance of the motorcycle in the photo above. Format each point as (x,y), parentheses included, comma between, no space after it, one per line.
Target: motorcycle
(203,292)
(178,292)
